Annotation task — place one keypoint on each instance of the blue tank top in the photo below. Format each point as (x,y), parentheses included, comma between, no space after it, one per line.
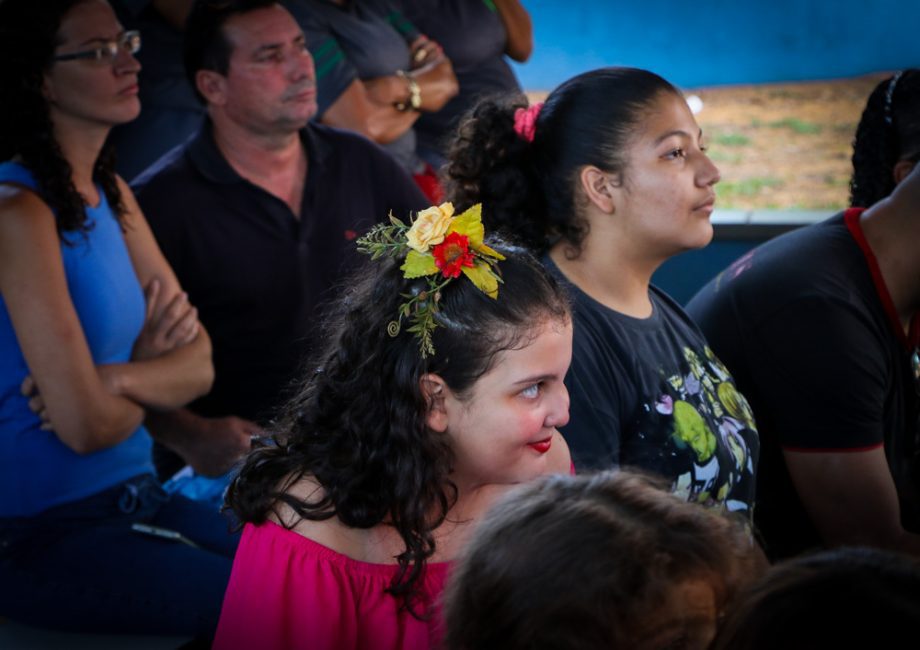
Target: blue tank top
(37,471)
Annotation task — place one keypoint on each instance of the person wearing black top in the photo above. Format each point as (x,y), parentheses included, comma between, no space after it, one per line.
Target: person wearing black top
(608,180)
(820,327)
(258,213)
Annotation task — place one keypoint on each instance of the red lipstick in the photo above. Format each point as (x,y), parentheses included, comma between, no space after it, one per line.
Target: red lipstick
(541,446)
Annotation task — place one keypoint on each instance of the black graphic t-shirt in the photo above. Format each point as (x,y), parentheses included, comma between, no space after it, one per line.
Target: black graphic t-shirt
(650,394)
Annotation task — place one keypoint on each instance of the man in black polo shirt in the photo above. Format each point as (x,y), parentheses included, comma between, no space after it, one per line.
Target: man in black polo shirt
(820,328)
(257,215)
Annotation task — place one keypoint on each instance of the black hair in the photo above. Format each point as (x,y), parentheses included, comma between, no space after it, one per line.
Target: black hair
(28,38)
(844,598)
(584,562)
(358,425)
(889,131)
(205,46)
(528,189)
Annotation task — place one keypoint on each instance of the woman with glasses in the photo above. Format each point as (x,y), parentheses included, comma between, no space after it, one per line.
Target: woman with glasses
(94,331)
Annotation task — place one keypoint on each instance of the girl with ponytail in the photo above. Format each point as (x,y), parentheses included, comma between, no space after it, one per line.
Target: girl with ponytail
(607,180)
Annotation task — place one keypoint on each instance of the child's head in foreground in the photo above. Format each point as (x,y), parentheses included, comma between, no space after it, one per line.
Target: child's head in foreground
(610,560)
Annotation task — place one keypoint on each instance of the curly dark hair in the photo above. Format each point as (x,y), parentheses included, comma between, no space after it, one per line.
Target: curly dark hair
(28,37)
(528,189)
(358,425)
(888,131)
(582,562)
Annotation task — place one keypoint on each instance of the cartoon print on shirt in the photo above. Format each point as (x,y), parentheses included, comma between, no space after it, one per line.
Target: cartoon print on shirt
(710,425)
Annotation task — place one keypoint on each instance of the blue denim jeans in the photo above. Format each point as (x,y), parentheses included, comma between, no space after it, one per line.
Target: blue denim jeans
(81,567)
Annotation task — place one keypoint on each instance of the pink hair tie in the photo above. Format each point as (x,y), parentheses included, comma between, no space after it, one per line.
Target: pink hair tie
(525,121)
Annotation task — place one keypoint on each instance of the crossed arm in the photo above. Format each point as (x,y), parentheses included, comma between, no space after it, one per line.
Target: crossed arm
(368,106)
(92,407)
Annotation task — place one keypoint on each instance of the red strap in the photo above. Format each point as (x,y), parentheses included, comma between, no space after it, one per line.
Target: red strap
(912,339)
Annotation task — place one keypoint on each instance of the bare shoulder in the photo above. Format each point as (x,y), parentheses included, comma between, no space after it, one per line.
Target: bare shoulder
(24,217)
(18,201)
(331,533)
(132,209)
(124,188)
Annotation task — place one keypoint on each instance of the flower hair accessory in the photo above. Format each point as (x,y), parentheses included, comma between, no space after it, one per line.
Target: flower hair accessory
(525,121)
(439,247)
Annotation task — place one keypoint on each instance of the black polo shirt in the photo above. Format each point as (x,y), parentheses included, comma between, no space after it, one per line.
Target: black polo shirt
(254,270)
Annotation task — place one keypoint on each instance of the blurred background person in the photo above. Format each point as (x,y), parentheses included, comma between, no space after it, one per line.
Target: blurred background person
(887,143)
(258,213)
(477,36)
(376,74)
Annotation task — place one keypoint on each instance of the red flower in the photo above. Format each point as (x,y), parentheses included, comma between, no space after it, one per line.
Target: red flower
(452,254)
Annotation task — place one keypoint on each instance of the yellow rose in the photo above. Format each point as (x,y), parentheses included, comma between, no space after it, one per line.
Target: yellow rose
(430,227)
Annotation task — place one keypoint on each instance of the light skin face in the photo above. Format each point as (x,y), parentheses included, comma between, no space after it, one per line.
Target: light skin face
(270,87)
(504,431)
(667,191)
(87,94)
(686,620)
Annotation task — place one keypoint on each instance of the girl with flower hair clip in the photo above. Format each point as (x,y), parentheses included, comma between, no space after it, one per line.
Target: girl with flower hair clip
(440,385)
(607,180)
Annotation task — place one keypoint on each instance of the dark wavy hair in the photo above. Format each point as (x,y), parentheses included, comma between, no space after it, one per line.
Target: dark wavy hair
(205,46)
(842,598)
(583,562)
(358,425)
(528,190)
(28,38)
(889,131)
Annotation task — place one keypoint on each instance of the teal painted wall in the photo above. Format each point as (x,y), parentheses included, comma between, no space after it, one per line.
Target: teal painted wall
(714,42)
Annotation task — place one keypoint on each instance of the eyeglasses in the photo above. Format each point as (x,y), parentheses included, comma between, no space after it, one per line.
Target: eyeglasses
(108,51)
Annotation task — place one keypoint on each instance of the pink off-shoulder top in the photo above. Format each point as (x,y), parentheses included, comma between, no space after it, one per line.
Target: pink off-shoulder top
(287,591)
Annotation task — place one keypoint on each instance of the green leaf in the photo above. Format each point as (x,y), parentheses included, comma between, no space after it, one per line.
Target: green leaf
(482,276)
(470,224)
(485,250)
(418,265)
